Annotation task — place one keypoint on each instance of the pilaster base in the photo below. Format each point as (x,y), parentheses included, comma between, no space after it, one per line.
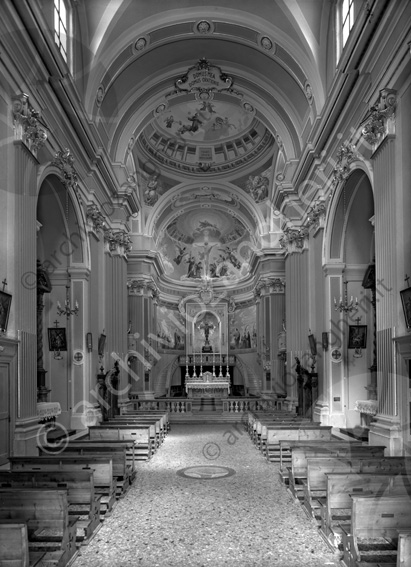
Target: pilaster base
(321,413)
(91,415)
(386,430)
(26,437)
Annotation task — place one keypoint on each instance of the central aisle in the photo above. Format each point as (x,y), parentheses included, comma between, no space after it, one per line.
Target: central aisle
(246,519)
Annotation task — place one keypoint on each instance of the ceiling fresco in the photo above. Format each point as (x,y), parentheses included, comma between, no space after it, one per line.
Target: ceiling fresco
(206,244)
(206,121)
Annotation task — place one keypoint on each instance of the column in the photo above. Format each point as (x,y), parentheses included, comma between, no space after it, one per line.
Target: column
(379,132)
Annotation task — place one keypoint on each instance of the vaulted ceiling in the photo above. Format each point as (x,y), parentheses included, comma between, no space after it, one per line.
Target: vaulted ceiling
(200,106)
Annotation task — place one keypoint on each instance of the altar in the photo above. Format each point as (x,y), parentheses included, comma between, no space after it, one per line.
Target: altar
(208,386)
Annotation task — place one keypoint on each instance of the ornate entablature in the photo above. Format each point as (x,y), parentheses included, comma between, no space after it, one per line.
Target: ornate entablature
(27,125)
(273,285)
(294,239)
(380,120)
(316,214)
(137,286)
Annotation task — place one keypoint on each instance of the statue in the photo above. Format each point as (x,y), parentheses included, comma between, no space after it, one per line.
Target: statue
(207,327)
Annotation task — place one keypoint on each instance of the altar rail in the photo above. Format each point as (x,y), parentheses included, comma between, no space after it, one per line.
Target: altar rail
(185,405)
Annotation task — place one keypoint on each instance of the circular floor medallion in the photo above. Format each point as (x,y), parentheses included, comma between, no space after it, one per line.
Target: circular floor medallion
(206,472)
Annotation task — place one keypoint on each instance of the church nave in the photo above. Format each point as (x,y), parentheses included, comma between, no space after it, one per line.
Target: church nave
(248,519)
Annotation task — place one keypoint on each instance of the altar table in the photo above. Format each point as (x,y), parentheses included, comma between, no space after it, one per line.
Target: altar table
(214,389)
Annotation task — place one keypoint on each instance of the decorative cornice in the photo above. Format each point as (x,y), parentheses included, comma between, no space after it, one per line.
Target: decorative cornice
(377,123)
(294,239)
(27,124)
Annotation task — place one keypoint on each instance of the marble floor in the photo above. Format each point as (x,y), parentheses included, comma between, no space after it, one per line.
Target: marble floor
(244,518)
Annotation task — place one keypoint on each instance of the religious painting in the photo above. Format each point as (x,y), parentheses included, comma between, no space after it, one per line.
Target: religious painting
(206,244)
(243,332)
(5,303)
(57,339)
(170,329)
(101,344)
(357,336)
(406,305)
(204,121)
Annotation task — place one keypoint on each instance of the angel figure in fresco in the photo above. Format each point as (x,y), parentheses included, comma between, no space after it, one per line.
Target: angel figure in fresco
(180,253)
(230,257)
(151,192)
(257,187)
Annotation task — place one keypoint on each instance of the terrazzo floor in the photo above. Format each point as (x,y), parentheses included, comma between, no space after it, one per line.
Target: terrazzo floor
(247,519)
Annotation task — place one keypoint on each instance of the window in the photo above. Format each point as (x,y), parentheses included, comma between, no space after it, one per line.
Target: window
(347,19)
(60,26)
(346,14)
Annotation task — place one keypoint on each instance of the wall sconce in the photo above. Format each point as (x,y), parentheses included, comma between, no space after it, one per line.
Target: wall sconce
(89,342)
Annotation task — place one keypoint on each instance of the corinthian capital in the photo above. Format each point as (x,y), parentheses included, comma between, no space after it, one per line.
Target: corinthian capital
(380,119)
(27,123)
(294,239)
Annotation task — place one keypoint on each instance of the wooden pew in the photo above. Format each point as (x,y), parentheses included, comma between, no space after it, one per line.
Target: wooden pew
(375,519)
(297,473)
(315,484)
(286,447)
(335,506)
(159,415)
(102,468)
(122,472)
(129,446)
(14,546)
(302,432)
(50,529)
(148,422)
(81,497)
(143,435)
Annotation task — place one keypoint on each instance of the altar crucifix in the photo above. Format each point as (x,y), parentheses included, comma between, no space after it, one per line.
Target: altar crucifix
(207,327)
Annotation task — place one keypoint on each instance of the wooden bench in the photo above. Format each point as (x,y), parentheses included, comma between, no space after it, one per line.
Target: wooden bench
(372,536)
(297,473)
(81,497)
(122,471)
(158,437)
(286,447)
(302,432)
(335,505)
(318,469)
(49,527)
(102,468)
(14,546)
(161,417)
(143,435)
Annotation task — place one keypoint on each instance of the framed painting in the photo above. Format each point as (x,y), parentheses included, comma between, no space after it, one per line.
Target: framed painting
(325,340)
(57,339)
(101,344)
(357,336)
(406,305)
(313,344)
(5,303)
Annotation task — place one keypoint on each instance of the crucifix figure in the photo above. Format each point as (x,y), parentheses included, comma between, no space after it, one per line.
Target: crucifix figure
(207,327)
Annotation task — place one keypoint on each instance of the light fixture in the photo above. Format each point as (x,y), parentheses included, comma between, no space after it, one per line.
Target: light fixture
(346,306)
(67,310)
